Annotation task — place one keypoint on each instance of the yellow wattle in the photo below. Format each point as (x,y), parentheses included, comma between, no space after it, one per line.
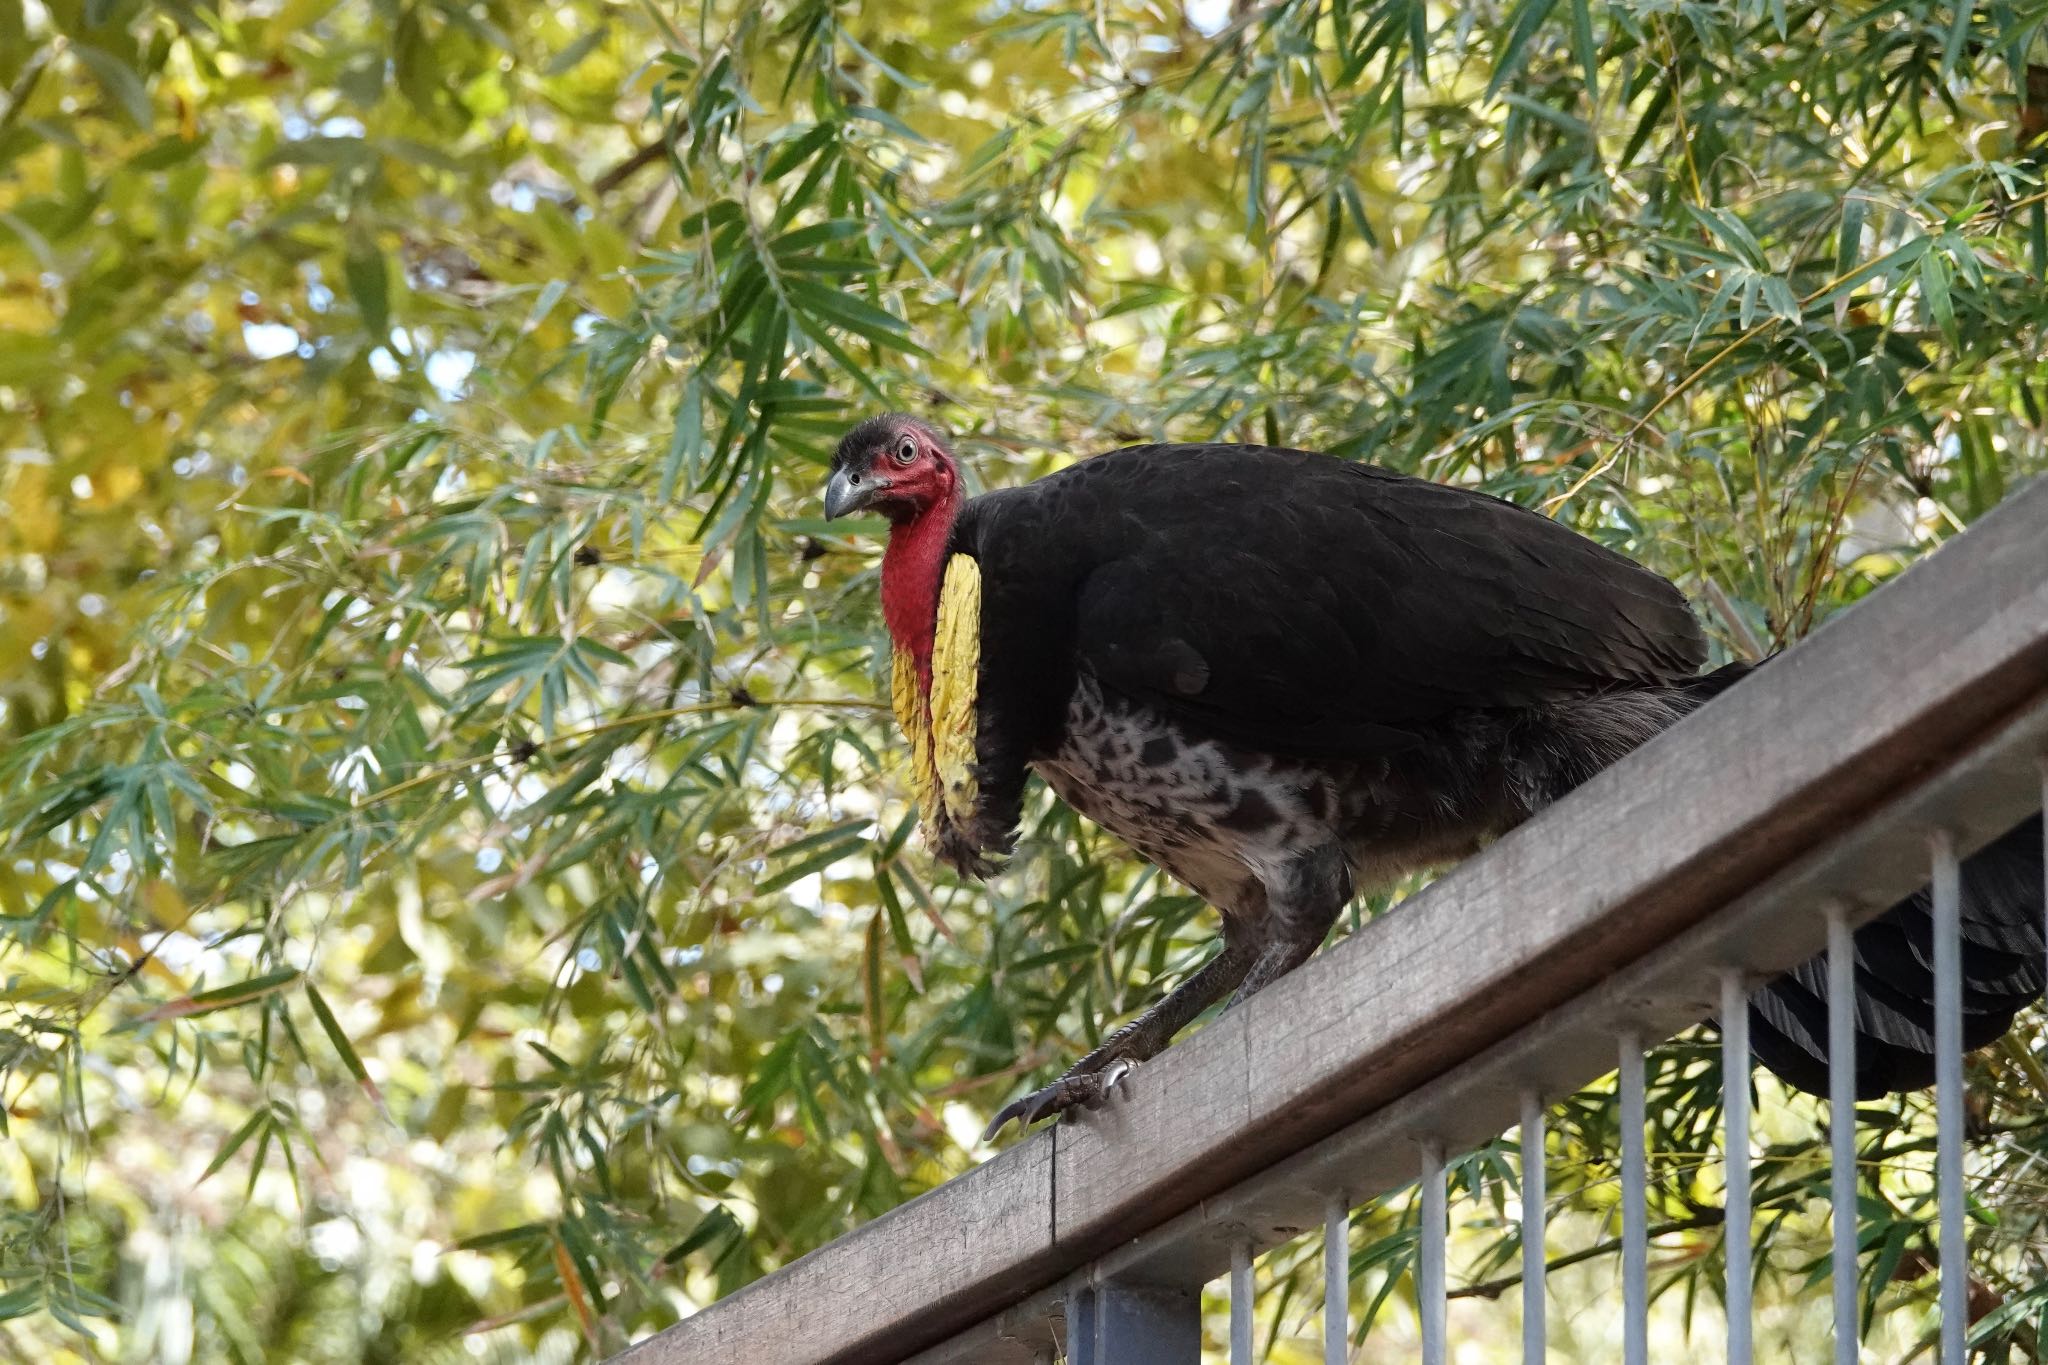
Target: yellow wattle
(908,704)
(940,726)
(956,670)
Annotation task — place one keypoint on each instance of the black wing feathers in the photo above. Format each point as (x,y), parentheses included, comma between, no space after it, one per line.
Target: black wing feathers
(1296,602)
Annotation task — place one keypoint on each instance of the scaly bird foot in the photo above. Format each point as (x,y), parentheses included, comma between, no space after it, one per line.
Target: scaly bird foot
(1084,1090)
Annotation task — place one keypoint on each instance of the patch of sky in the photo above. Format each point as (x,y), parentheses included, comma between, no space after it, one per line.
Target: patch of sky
(449,370)
(517,195)
(1208,17)
(269,340)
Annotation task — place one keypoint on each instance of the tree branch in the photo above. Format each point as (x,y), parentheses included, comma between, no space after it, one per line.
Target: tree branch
(630,167)
(1493,1289)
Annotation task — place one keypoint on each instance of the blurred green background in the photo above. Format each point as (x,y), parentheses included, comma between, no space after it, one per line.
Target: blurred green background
(457,898)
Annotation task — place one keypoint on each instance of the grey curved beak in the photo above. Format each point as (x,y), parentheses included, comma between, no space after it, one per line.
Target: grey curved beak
(847,491)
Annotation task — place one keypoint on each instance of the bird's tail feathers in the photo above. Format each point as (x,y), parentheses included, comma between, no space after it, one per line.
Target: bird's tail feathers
(1709,685)
(2005,944)
(2005,966)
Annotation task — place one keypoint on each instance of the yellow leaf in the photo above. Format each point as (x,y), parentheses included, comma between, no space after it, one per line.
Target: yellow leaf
(165,903)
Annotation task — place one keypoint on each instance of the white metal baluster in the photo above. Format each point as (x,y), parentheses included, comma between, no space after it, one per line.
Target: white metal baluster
(1534,1264)
(1842,1126)
(1635,1208)
(1735,1142)
(1948,1095)
(1336,1280)
(1241,1304)
(1430,1267)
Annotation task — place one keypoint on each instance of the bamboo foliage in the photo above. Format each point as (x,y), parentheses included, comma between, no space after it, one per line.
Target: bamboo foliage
(457,881)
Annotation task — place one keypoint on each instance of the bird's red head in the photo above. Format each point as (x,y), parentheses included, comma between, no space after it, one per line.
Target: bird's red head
(896,465)
(902,468)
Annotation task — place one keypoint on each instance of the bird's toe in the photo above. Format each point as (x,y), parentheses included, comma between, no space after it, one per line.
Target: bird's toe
(1026,1111)
(1065,1095)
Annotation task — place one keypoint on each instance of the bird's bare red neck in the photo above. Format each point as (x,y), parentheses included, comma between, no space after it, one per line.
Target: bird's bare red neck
(913,568)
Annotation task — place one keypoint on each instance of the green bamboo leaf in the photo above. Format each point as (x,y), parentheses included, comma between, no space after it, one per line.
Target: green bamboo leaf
(804,239)
(853,314)
(1849,242)
(322,151)
(332,1028)
(120,81)
(835,836)
(796,151)
(571,57)
(1524,20)
(815,862)
(820,338)
(1587,52)
(1934,287)
(260,1119)
(889,121)
(369,284)
(1958,34)
(1894,261)
(485,1241)
(717,1225)
(226,997)
(875,1009)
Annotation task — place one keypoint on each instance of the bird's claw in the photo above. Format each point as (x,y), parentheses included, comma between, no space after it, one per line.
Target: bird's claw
(1084,1090)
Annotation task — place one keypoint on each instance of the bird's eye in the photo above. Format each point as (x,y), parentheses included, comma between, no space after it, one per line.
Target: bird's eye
(906,450)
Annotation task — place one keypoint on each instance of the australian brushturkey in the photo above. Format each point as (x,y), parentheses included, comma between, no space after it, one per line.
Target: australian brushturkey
(1284,678)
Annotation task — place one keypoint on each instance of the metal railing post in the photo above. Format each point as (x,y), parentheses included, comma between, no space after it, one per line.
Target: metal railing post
(1336,1280)
(1948,1096)
(1635,1207)
(1842,1128)
(1430,1286)
(1735,1142)
(1534,1264)
(1240,1305)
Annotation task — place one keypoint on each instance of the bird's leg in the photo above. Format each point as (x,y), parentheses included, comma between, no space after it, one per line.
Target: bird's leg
(1089,1080)
(1302,900)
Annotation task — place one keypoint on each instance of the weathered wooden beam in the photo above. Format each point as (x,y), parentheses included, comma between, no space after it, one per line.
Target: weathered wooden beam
(890,1286)
(1648,852)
